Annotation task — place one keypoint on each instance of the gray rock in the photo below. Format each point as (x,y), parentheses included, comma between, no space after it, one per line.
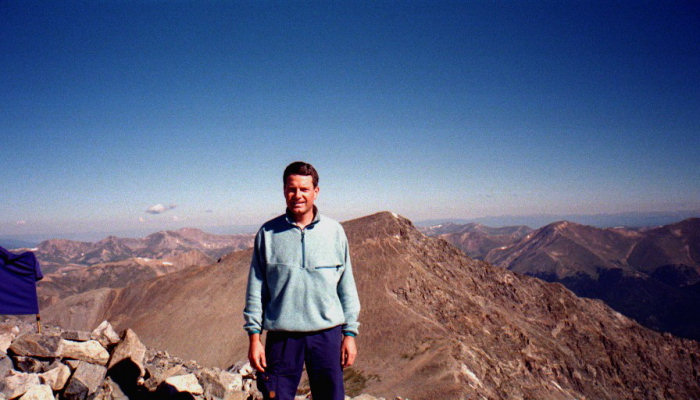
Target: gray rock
(5,367)
(38,392)
(78,336)
(17,383)
(110,390)
(185,383)
(36,344)
(30,364)
(85,381)
(56,377)
(90,351)
(249,386)
(129,348)
(217,383)
(158,375)
(7,334)
(236,396)
(105,334)
(246,369)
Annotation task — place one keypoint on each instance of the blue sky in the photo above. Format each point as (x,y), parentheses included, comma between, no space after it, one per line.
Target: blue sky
(429,109)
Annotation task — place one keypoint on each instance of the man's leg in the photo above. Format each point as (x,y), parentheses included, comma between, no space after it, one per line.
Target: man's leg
(323,364)
(284,352)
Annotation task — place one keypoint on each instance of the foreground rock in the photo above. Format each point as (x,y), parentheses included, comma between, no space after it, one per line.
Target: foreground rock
(90,371)
(85,369)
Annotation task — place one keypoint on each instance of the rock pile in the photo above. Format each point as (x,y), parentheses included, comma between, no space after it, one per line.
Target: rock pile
(102,365)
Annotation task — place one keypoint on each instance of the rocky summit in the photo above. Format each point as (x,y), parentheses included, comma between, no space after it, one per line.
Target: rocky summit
(435,324)
(102,365)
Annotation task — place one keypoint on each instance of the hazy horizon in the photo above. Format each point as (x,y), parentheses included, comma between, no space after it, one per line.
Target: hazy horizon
(630,219)
(148,116)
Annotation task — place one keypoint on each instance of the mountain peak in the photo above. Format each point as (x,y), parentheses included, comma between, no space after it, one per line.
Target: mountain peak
(380,225)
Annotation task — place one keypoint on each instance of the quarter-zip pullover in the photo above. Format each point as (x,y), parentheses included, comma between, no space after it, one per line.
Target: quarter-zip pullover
(301,280)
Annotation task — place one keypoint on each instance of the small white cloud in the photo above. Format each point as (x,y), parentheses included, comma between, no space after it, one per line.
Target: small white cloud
(176,218)
(159,208)
(142,219)
(21,222)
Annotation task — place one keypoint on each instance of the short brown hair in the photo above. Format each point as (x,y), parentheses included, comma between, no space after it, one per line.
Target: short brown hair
(300,168)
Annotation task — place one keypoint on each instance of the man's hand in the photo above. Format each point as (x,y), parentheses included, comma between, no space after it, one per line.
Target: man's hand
(348,351)
(256,353)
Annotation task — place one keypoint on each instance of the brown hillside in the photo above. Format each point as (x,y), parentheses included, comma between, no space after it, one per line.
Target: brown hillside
(73,279)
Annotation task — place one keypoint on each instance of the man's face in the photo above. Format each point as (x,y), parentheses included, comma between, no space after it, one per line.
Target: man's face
(300,194)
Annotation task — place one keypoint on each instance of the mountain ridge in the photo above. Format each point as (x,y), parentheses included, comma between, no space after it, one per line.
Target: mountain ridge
(649,274)
(56,252)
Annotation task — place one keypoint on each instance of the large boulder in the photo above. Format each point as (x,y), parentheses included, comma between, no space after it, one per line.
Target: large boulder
(57,376)
(15,384)
(36,345)
(105,334)
(130,348)
(30,364)
(7,334)
(185,383)
(5,366)
(217,383)
(85,381)
(90,351)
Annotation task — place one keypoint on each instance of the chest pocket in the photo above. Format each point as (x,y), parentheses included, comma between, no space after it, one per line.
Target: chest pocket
(326,270)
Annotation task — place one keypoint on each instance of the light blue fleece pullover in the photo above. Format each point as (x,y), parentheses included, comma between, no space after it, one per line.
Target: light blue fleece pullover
(301,280)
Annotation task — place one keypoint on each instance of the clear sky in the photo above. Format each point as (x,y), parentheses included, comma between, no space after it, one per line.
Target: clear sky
(191,110)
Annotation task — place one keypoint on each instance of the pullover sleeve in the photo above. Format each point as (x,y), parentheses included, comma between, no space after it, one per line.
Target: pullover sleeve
(347,293)
(255,292)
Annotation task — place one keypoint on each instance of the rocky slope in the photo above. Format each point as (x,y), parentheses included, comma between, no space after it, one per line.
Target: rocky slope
(650,275)
(435,324)
(73,279)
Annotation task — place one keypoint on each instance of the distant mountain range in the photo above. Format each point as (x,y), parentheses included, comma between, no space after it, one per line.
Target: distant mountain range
(627,219)
(652,275)
(59,252)
(435,324)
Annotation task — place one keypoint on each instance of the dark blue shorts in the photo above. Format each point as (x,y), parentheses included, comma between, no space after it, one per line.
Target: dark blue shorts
(287,352)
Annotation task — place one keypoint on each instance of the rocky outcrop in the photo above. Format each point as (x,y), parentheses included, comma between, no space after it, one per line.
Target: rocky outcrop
(103,365)
(46,366)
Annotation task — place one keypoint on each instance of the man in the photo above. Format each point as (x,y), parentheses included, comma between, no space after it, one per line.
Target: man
(301,290)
